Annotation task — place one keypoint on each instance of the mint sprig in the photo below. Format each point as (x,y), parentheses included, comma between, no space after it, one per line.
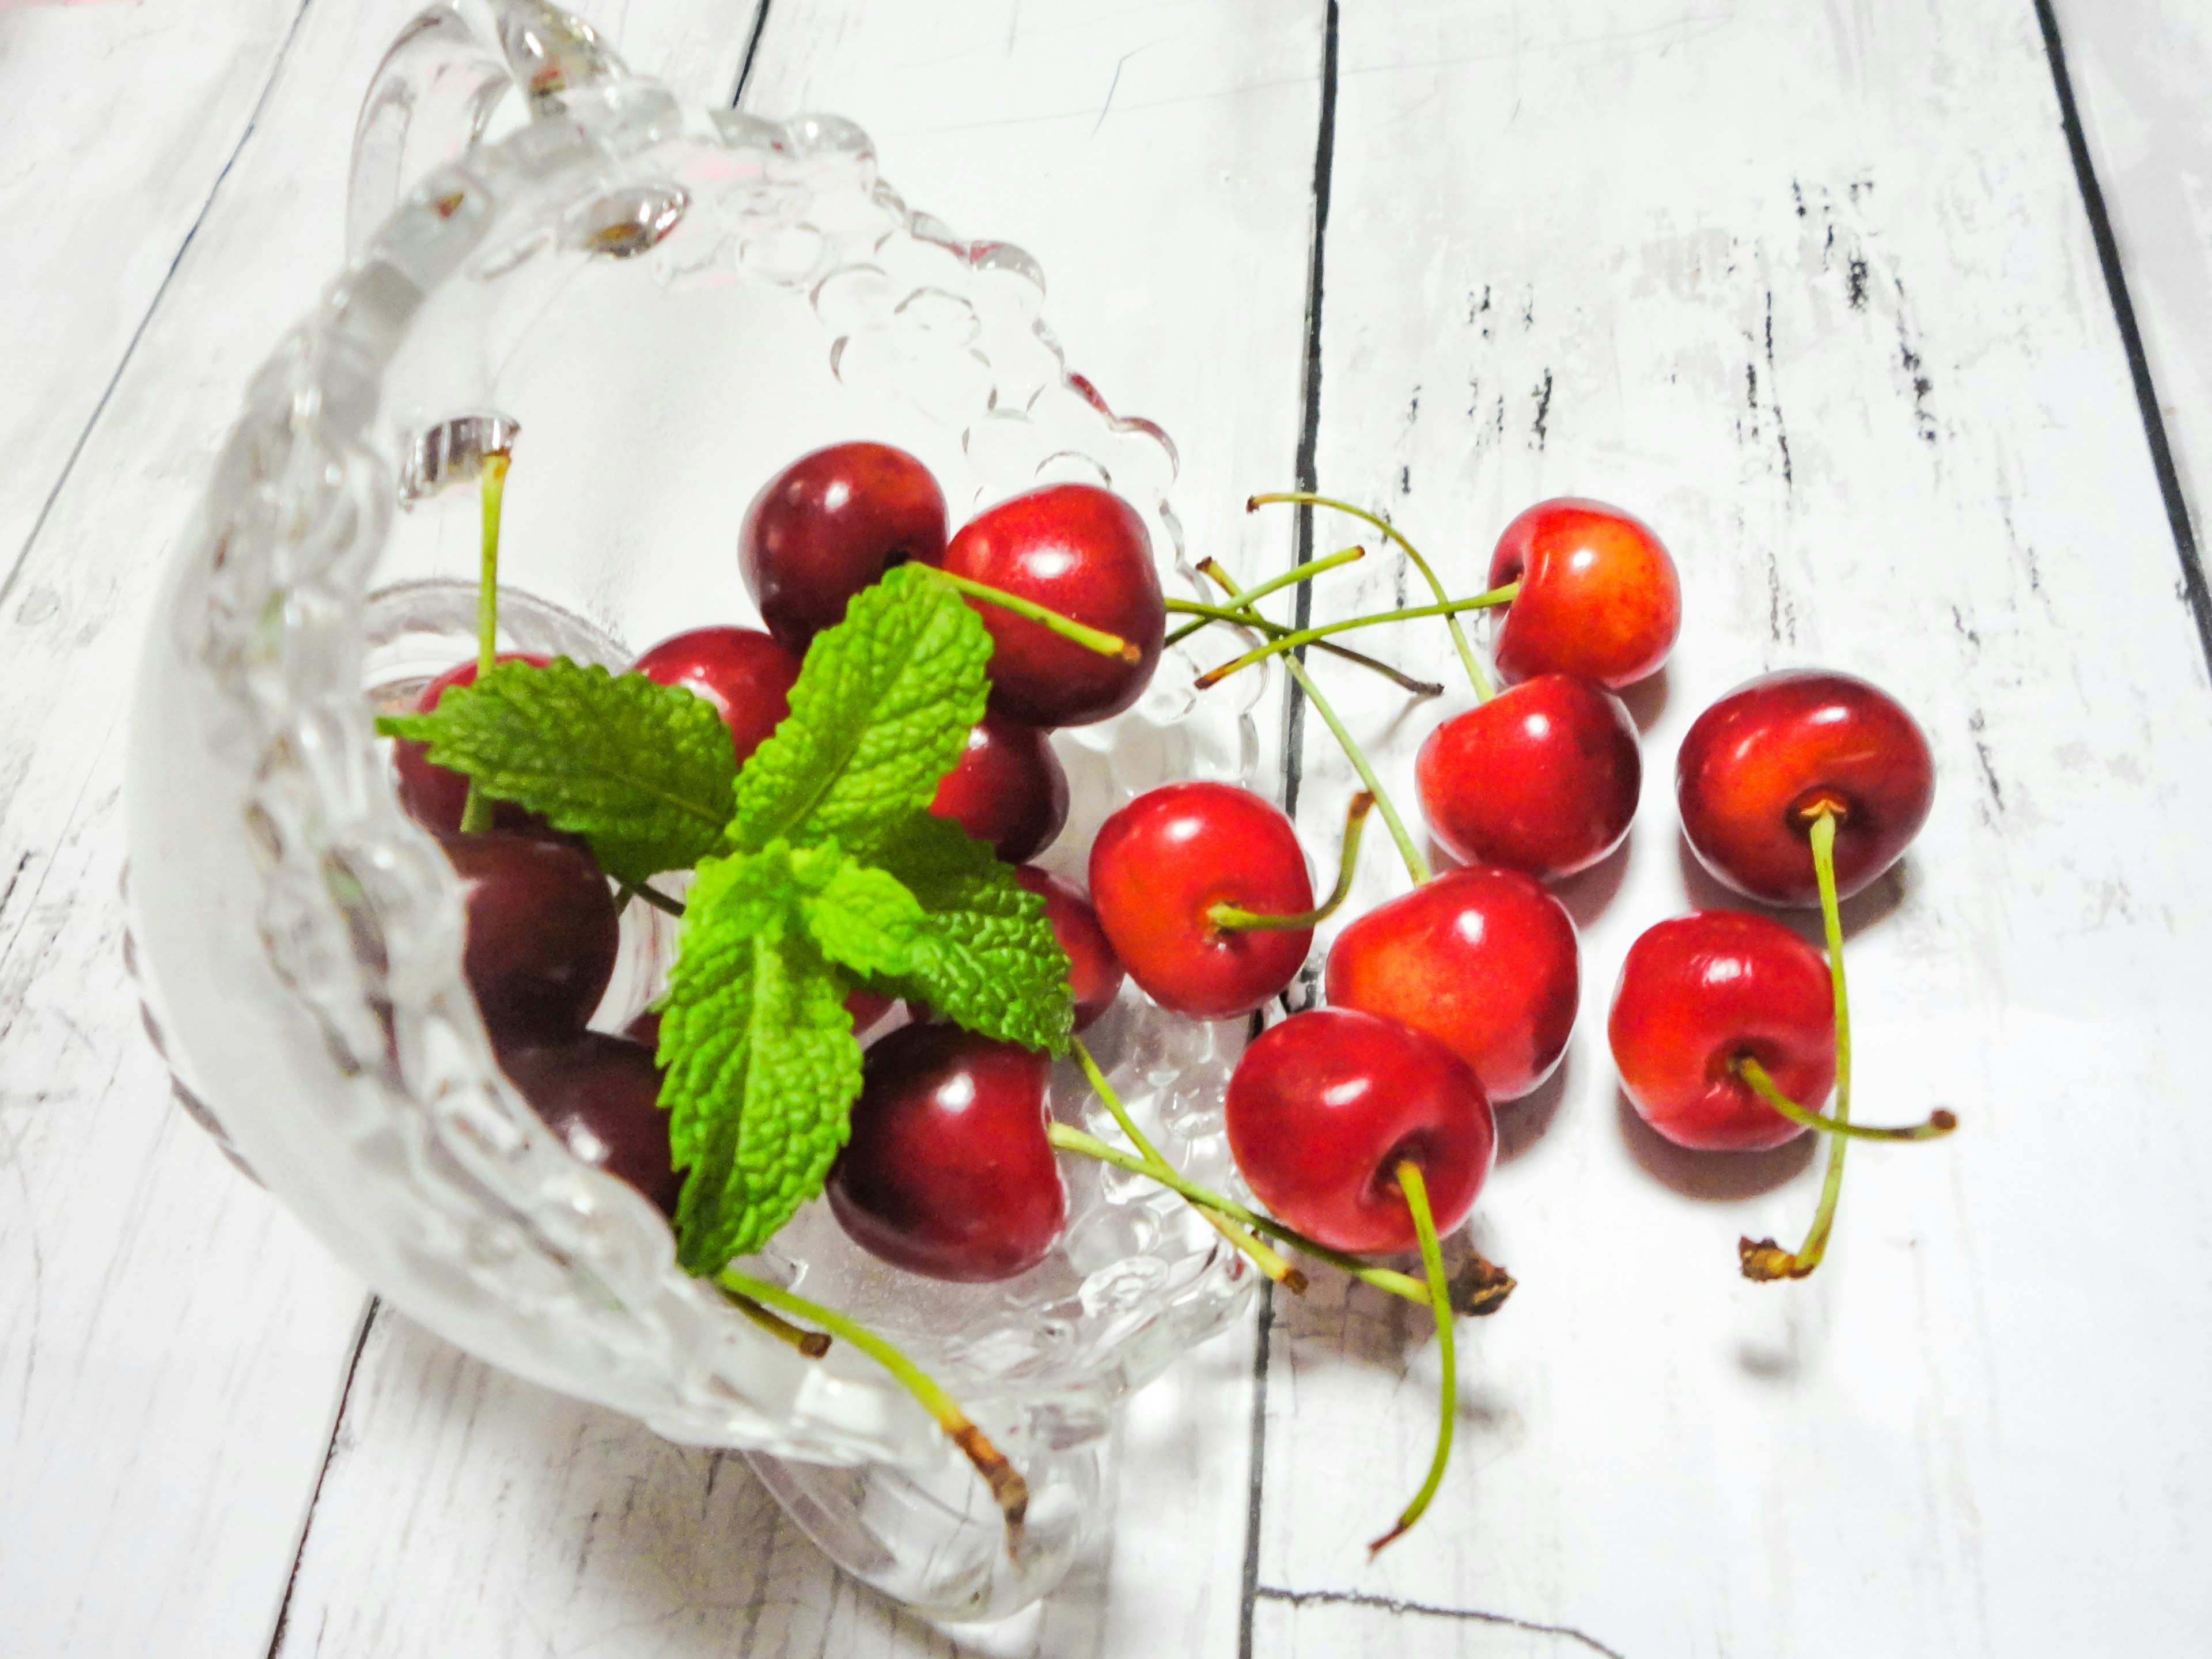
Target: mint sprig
(819,866)
(641,771)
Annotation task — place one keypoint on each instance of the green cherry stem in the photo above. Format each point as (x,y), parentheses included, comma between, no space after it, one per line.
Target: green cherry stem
(1089,638)
(1004,1480)
(1303,572)
(1476,677)
(1355,820)
(1304,636)
(1417,865)
(1940,1121)
(653,896)
(1432,1263)
(812,1344)
(1204,614)
(1765,1260)
(1149,1162)
(476,810)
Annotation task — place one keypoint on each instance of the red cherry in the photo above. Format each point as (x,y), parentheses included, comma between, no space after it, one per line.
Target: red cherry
(1485,960)
(601,1095)
(745,674)
(1699,993)
(1008,788)
(542,934)
(435,796)
(1542,778)
(1599,595)
(948,1173)
(1324,1107)
(830,525)
(1759,765)
(1094,972)
(1161,864)
(1083,552)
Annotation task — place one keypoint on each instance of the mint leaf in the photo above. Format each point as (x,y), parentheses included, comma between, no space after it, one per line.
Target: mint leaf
(641,771)
(879,715)
(762,1069)
(977,947)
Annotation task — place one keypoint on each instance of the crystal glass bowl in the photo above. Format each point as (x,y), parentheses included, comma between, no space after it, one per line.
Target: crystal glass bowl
(671,305)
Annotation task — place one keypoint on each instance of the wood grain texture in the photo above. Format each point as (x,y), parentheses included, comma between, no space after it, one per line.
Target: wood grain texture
(469,1513)
(2139,73)
(1812,288)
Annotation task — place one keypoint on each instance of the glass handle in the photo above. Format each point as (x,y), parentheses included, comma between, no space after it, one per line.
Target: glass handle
(443,79)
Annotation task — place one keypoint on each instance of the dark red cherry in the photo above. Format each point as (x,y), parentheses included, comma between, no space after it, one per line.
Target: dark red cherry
(1162,864)
(1485,960)
(1324,1107)
(1082,551)
(1599,594)
(1008,788)
(1094,972)
(745,674)
(542,934)
(1542,778)
(948,1173)
(1759,765)
(1699,993)
(435,796)
(601,1095)
(830,525)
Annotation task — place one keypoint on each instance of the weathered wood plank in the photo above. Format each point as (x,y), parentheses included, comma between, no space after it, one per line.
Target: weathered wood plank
(1168,208)
(1812,288)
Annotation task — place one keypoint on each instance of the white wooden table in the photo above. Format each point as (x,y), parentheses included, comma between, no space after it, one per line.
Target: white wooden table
(1896,328)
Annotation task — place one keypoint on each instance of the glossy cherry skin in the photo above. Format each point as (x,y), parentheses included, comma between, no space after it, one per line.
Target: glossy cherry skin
(1543,778)
(1699,992)
(601,1095)
(1324,1107)
(1094,972)
(435,796)
(1008,788)
(744,672)
(948,1173)
(830,525)
(1599,594)
(542,934)
(1159,865)
(1082,551)
(1755,764)
(1483,959)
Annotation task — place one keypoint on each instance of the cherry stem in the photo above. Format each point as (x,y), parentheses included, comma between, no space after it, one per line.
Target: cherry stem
(1089,638)
(812,1344)
(1304,636)
(1433,1262)
(1004,1480)
(1940,1121)
(1483,689)
(1765,1260)
(1355,820)
(1151,1162)
(1301,573)
(477,809)
(1248,617)
(1417,865)
(653,896)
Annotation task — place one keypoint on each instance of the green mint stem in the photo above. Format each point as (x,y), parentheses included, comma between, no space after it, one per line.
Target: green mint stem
(1417,865)
(1765,1259)
(1089,638)
(1304,636)
(1432,1263)
(1006,1482)
(1483,689)
(1151,1162)
(1940,1122)
(1355,820)
(476,810)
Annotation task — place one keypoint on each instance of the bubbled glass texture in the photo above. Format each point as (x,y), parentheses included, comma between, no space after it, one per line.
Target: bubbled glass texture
(672,306)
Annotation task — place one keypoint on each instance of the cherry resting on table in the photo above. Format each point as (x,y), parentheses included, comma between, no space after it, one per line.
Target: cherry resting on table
(1599,594)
